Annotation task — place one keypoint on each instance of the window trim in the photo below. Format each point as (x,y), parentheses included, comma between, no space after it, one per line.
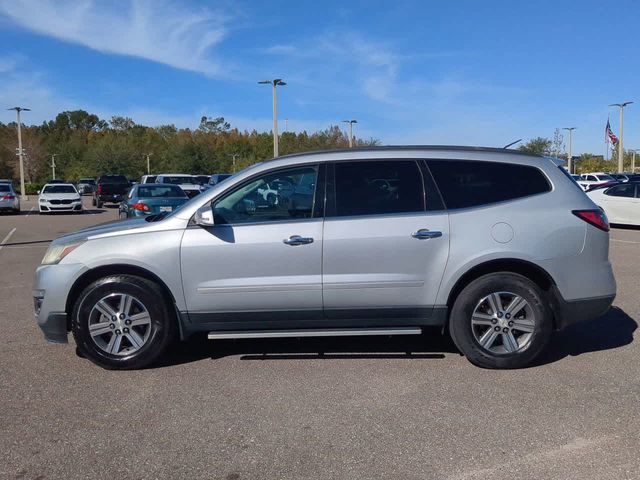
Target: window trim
(331,207)
(320,184)
(635,191)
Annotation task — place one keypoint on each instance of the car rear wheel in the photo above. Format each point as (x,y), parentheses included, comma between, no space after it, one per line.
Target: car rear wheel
(501,320)
(122,322)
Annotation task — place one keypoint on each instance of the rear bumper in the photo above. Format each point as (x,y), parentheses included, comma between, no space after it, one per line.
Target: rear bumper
(568,312)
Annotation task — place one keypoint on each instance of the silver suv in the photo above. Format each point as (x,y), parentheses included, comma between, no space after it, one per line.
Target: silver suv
(496,247)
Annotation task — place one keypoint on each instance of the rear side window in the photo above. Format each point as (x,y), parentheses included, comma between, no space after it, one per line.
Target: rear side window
(626,190)
(465,184)
(378,188)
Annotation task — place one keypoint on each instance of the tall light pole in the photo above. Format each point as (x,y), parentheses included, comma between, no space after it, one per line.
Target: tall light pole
(233,160)
(350,122)
(621,140)
(570,156)
(276,82)
(148,163)
(633,161)
(53,165)
(20,151)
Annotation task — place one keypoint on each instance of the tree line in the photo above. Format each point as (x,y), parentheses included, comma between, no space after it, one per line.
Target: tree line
(87,146)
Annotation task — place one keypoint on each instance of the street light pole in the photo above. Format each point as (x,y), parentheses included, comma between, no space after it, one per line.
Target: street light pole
(53,165)
(233,160)
(20,152)
(621,140)
(276,82)
(148,163)
(350,122)
(570,156)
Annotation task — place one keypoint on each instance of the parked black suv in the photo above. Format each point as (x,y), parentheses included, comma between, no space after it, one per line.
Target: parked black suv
(110,189)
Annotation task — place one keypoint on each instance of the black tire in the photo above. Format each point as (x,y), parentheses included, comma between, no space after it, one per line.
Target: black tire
(98,204)
(161,328)
(122,215)
(93,201)
(461,329)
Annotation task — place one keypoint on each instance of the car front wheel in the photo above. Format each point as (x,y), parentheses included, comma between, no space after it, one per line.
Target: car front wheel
(501,320)
(122,322)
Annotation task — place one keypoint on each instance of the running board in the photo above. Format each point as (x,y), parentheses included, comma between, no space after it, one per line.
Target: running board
(314,332)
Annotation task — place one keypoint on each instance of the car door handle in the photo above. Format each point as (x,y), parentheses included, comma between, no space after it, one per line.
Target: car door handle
(423,233)
(297,240)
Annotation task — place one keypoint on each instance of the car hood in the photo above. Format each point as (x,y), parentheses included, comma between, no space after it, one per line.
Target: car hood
(110,227)
(58,196)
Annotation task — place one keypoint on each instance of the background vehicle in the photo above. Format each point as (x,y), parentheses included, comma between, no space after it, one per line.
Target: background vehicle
(184,181)
(442,241)
(110,189)
(620,202)
(9,199)
(216,178)
(148,179)
(588,180)
(619,177)
(201,180)
(59,197)
(151,199)
(86,185)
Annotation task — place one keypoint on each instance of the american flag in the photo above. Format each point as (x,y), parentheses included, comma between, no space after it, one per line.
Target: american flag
(609,136)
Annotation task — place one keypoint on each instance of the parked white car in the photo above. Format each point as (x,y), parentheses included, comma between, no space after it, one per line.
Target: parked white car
(588,180)
(184,181)
(59,197)
(621,202)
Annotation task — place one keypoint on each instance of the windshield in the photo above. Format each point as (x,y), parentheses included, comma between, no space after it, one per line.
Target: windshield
(157,191)
(178,180)
(88,181)
(606,178)
(59,189)
(201,179)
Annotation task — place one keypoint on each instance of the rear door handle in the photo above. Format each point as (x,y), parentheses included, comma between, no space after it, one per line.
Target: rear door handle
(294,240)
(424,233)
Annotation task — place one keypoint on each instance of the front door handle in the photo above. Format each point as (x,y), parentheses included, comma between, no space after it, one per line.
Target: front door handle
(424,233)
(297,240)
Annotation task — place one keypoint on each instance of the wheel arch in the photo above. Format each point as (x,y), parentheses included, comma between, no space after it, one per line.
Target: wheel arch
(527,269)
(117,269)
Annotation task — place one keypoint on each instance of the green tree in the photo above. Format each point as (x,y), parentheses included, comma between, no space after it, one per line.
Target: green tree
(538,145)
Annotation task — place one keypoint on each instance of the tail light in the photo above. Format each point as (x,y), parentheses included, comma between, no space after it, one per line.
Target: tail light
(99,190)
(9,197)
(596,217)
(143,207)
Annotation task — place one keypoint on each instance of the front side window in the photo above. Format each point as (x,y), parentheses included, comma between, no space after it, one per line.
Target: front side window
(465,183)
(378,188)
(280,195)
(625,190)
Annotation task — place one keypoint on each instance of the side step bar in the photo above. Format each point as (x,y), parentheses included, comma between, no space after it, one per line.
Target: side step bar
(314,332)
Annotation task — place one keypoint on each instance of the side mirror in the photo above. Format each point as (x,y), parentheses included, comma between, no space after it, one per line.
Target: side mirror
(204,216)
(38,192)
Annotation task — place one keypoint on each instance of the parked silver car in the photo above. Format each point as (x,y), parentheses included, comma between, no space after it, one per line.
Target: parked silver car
(9,199)
(496,247)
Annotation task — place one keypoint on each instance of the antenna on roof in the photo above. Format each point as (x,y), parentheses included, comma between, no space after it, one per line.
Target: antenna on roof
(512,143)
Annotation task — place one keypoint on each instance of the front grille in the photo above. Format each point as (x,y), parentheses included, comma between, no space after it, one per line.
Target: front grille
(60,202)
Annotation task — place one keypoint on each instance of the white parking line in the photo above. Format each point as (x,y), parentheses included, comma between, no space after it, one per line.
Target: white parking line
(31,210)
(6,239)
(624,241)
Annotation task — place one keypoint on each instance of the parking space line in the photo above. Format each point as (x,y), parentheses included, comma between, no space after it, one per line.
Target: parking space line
(31,210)
(624,241)
(6,239)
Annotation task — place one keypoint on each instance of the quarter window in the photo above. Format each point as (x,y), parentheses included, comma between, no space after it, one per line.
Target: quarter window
(626,190)
(466,184)
(378,188)
(280,195)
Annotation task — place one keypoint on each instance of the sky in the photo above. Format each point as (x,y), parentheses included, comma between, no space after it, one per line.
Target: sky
(411,72)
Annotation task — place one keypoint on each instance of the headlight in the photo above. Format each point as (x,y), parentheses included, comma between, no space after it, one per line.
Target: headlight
(56,253)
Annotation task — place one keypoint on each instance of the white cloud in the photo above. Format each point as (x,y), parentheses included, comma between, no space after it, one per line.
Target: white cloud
(161,30)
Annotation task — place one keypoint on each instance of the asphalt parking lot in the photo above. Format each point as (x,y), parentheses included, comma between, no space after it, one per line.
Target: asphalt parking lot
(406,408)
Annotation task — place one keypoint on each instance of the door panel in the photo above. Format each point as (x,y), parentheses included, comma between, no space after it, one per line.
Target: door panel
(243,268)
(375,262)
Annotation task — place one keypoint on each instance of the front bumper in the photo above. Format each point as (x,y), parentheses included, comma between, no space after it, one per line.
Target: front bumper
(568,312)
(52,285)
(69,207)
